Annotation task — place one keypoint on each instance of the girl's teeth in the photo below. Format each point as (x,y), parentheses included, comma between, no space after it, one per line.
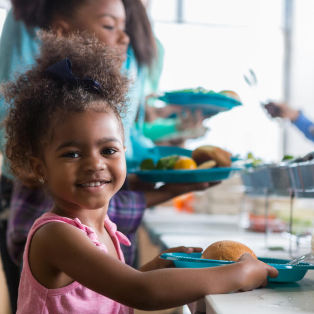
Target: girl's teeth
(92,184)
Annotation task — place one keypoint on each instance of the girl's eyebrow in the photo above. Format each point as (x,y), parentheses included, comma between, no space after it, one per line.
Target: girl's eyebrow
(106,14)
(106,140)
(68,144)
(100,142)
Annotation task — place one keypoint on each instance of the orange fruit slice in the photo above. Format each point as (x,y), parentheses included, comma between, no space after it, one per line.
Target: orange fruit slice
(185,163)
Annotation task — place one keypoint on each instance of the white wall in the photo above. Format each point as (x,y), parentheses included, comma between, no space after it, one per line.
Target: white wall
(213,49)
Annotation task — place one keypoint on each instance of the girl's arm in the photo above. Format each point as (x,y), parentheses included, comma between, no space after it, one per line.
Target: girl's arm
(158,263)
(63,248)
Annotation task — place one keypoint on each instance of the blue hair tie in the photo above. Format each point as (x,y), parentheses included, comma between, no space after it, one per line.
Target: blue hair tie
(62,71)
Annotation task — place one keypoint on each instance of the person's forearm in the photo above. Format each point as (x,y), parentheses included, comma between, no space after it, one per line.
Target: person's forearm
(292,114)
(185,286)
(157,196)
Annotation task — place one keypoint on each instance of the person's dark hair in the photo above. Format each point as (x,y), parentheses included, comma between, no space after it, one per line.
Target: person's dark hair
(139,30)
(40,13)
(39,102)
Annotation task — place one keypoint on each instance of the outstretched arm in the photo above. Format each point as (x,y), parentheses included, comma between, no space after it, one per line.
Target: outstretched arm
(65,249)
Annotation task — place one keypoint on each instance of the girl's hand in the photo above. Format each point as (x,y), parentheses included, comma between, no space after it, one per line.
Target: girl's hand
(158,263)
(254,274)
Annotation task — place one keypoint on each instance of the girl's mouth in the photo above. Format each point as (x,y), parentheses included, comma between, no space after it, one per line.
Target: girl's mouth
(93,184)
(94,187)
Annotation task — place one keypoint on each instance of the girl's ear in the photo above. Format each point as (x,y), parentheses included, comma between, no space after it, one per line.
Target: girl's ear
(124,147)
(38,167)
(61,27)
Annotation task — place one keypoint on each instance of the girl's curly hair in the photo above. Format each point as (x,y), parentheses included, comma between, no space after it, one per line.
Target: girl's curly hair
(38,102)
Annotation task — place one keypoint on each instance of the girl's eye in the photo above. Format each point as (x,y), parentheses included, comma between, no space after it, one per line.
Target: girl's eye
(108,151)
(71,155)
(108,27)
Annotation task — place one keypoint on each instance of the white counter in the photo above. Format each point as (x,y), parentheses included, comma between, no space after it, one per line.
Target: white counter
(276,298)
(171,229)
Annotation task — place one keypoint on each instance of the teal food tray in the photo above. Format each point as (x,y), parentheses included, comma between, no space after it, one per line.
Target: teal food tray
(210,104)
(181,176)
(187,176)
(287,273)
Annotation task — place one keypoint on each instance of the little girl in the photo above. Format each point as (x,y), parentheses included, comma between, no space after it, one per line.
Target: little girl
(64,125)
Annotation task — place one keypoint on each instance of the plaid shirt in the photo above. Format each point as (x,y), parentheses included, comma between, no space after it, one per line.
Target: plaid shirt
(126,210)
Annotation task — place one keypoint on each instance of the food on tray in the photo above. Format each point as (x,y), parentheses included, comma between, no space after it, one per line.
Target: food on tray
(202,90)
(208,164)
(198,90)
(254,161)
(147,164)
(227,251)
(287,157)
(206,153)
(186,163)
(204,157)
(167,163)
(230,94)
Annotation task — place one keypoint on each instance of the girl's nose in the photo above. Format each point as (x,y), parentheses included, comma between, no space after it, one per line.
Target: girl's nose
(124,38)
(94,164)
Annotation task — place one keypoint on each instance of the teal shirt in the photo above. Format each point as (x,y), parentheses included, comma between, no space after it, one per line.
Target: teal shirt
(18,48)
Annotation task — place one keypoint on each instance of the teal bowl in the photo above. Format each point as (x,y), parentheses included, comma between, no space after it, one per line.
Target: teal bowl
(287,273)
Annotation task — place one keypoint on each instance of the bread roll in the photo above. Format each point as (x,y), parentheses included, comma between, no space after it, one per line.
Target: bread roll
(226,251)
(206,153)
(207,164)
(230,94)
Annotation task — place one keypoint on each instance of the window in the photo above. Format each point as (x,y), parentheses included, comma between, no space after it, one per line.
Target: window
(213,43)
(4,7)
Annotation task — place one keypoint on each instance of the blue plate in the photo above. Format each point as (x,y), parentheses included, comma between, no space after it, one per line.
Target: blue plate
(210,103)
(181,176)
(287,273)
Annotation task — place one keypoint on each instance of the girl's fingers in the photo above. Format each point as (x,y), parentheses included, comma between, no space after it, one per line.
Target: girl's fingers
(184,249)
(272,272)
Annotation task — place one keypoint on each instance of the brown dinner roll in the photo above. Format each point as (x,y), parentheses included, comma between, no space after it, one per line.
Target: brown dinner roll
(207,164)
(230,94)
(206,153)
(226,251)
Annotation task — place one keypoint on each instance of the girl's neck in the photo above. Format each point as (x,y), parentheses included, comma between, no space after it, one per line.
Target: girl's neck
(93,218)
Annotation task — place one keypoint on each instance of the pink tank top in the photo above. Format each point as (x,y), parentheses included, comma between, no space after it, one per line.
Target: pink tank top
(74,298)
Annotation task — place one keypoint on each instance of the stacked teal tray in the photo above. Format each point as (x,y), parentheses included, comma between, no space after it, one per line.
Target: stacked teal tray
(287,273)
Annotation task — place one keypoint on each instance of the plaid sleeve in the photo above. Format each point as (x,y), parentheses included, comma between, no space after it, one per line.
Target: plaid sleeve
(26,206)
(126,209)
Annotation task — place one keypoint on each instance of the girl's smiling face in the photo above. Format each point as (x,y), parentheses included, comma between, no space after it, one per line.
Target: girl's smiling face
(105,18)
(84,165)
